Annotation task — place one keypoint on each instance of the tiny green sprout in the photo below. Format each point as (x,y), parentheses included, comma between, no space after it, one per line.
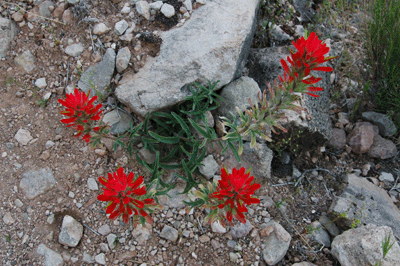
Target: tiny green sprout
(386,245)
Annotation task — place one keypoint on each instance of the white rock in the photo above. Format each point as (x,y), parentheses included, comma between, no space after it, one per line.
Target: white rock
(100,259)
(100,28)
(120,27)
(35,183)
(156,5)
(74,50)
(92,184)
(71,232)
(142,234)
(51,258)
(168,10)
(386,177)
(104,229)
(41,83)
(216,227)
(209,167)
(123,57)
(49,144)
(8,219)
(111,240)
(125,10)
(142,7)
(188,5)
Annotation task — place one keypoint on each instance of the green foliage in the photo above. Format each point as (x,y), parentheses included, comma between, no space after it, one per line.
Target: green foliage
(383,46)
(386,245)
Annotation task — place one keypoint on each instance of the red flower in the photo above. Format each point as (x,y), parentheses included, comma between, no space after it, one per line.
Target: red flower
(236,190)
(80,110)
(310,54)
(125,195)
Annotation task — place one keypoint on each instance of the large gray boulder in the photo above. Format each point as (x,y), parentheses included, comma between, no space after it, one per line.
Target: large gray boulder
(366,202)
(213,45)
(7,32)
(315,124)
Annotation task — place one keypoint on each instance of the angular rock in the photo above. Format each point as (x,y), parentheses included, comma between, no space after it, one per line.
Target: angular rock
(167,10)
(362,200)
(241,230)
(92,184)
(386,126)
(276,240)
(74,50)
(147,156)
(188,5)
(111,241)
(8,30)
(35,183)
(361,138)
(175,199)
(304,8)
(71,232)
(119,121)
(388,177)
(164,80)
(100,259)
(97,78)
(123,57)
(18,16)
(87,258)
(100,28)
(51,258)
(278,35)
(142,7)
(156,5)
(120,27)
(264,66)
(363,246)
(209,167)
(216,227)
(382,148)
(8,219)
(329,225)
(319,234)
(142,234)
(44,9)
(237,94)
(26,60)
(104,229)
(338,140)
(23,136)
(169,233)
(41,83)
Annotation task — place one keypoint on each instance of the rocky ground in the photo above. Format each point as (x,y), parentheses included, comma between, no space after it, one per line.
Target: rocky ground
(48,176)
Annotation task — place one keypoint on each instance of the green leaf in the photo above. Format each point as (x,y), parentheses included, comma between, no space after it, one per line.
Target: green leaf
(182,123)
(171,154)
(190,182)
(234,150)
(196,203)
(163,139)
(198,128)
(146,124)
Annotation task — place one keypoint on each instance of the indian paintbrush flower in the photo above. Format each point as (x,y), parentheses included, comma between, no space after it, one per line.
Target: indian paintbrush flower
(126,196)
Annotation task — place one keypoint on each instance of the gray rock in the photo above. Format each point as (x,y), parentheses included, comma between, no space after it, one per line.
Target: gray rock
(169,233)
(125,10)
(147,156)
(8,30)
(386,126)
(97,78)
(276,240)
(142,7)
(188,5)
(49,144)
(329,225)
(361,138)
(44,9)
(142,234)
(26,60)
(164,80)
(41,83)
(104,229)
(319,234)
(216,227)
(175,199)
(209,167)
(119,121)
(100,28)
(23,136)
(237,94)
(299,31)
(92,184)
(100,259)
(123,57)
(71,232)
(120,27)
(241,230)
(35,183)
(87,258)
(156,5)
(362,200)
(264,66)
(278,35)
(51,258)
(111,240)
(386,177)
(363,246)
(338,139)
(74,50)
(168,10)
(304,8)
(382,148)
(8,219)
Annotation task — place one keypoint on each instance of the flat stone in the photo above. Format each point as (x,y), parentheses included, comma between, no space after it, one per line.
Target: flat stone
(71,232)
(97,78)
(386,126)
(156,5)
(87,258)
(216,227)
(363,200)
(100,259)
(142,234)
(51,258)
(241,230)
(329,225)
(125,10)
(363,246)
(104,230)
(204,238)
(175,199)
(74,50)
(123,57)
(26,61)
(276,241)
(209,167)
(111,241)
(18,16)
(120,27)
(142,7)
(382,148)
(100,29)
(49,144)
(23,136)
(386,177)
(361,138)
(168,10)
(169,233)
(338,140)
(8,219)
(319,234)
(163,80)
(35,183)
(92,184)
(119,121)
(41,83)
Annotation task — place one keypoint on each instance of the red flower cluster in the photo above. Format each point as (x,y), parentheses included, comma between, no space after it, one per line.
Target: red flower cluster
(235,190)
(81,113)
(310,54)
(125,195)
